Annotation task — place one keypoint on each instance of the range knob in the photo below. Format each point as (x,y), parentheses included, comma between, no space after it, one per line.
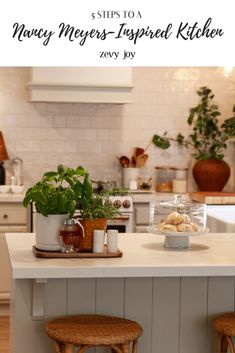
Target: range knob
(126,204)
(117,203)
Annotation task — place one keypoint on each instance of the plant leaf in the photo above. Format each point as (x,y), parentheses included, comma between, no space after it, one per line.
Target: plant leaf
(161,142)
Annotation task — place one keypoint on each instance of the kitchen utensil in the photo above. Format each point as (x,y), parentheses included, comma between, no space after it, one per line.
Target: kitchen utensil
(125,161)
(137,152)
(133,161)
(141,160)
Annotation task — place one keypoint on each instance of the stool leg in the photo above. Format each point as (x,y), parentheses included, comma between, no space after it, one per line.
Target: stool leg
(135,346)
(221,343)
(115,349)
(230,344)
(126,347)
(82,349)
(57,346)
(224,344)
(68,348)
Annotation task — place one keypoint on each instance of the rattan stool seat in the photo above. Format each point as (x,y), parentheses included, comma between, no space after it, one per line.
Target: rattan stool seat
(225,329)
(93,330)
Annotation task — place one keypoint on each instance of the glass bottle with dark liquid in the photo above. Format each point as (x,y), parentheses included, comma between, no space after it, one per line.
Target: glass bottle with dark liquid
(70,234)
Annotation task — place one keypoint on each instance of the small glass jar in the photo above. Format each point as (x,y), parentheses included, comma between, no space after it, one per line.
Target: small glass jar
(164,176)
(180,181)
(70,234)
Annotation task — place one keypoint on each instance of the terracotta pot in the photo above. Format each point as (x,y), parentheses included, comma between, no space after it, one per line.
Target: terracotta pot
(211,174)
(86,243)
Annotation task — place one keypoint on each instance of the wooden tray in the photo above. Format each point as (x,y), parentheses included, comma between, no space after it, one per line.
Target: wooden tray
(58,254)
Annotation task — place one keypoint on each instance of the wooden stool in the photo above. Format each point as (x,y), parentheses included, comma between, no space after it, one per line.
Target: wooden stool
(84,331)
(225,330)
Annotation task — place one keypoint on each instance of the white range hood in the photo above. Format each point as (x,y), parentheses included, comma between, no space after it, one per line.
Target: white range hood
(81,84)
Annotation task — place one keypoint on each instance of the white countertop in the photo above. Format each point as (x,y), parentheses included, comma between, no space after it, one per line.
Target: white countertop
(149,196)
(143,256)
(8,197)
(139,196)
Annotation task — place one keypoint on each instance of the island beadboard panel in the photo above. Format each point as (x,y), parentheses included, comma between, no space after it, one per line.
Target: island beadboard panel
(176,313)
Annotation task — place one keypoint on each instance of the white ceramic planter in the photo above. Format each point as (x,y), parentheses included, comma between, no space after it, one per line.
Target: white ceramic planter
(47,231)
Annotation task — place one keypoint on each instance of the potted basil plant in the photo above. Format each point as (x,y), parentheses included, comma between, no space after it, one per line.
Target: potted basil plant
(55,197)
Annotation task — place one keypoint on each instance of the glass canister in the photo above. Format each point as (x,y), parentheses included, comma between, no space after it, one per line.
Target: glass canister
(164,177)
(178,216)
(70,233)
(180,180)
(177,220)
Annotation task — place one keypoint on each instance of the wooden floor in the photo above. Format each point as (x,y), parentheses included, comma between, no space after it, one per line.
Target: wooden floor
(4,334)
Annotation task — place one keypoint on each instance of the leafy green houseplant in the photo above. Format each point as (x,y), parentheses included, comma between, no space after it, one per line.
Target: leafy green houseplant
(97,206)
(55,197)
(95,210)
(208,140)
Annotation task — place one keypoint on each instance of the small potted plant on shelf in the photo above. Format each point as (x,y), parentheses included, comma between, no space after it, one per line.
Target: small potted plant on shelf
(208,139)
(55,197)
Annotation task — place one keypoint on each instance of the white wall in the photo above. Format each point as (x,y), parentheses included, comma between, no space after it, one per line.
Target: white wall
(46,134)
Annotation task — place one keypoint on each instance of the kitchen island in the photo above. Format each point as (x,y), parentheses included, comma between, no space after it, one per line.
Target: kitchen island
(173,294)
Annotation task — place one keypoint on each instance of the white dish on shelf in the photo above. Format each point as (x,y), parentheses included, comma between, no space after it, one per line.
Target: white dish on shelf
(177,240)
(4,189)
(17,189)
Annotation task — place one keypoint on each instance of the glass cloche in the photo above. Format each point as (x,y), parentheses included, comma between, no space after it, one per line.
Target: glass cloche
(177,219)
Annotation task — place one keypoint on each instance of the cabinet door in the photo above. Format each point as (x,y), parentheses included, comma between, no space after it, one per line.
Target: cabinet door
(142,215)
(12,213)
(141,229)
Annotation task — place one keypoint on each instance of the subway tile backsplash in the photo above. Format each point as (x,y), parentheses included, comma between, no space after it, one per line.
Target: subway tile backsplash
(46,134)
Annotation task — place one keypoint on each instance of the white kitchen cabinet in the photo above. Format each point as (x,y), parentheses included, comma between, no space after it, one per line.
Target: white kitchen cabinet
(141,217)
(221,218)
(81,84)
(14,218)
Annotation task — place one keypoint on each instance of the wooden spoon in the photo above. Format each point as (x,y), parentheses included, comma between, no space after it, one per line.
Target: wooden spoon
(141,160)
(125,161)
(137,152)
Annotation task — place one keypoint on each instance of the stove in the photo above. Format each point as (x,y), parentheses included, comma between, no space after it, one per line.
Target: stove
(124,221)
(122,203)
